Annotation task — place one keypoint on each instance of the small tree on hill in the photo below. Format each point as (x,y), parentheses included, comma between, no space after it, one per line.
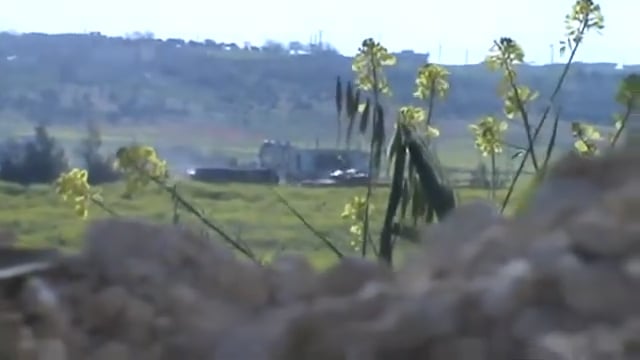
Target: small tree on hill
(40,160)
(100,168)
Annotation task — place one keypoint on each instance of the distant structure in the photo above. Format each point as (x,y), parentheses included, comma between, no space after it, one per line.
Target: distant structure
(295,164)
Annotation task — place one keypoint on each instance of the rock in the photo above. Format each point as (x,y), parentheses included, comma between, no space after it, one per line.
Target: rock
(458,349)
(599,291)
(26,347)
(350,275)
(16,339)
(138,322)
(106,306)
(596,232)
(597,342)
(631,268)
(464,223)
(268,339)
(555,346)
(181,299)
(630,338)
(535,321)
(544,253)
(488,251)
(245,284)
(78,343)
(111,351)
(510,289)
(444,242)
(409,323)
(38,298)
(152,352)
(416,321)
(293,279)
(51,349)
(558,198)
(624,203)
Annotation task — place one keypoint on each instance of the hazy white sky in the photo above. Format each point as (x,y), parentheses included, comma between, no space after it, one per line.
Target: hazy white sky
(457,25)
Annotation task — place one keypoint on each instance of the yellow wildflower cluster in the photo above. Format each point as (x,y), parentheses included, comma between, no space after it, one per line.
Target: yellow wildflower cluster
(73,187)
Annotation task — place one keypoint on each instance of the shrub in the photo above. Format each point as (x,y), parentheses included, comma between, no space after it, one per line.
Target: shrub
(39,160)
(100,168)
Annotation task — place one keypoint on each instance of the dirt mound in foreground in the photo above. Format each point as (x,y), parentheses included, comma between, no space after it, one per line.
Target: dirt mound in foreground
(561,281)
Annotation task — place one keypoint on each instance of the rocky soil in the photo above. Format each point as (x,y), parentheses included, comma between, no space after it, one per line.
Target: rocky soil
(560,281)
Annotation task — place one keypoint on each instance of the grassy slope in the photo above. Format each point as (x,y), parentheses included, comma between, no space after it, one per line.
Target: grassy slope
(253,212)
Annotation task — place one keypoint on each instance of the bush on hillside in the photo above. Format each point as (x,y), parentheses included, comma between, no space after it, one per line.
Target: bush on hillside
(99,167)
(37,161)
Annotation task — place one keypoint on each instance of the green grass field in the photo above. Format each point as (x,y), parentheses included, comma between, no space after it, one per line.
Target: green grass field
(251,212)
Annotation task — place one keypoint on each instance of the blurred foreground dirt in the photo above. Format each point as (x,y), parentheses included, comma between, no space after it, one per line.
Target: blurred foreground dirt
(561,281)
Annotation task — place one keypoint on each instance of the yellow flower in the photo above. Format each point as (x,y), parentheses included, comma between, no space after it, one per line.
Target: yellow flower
(73,187)
(488,134)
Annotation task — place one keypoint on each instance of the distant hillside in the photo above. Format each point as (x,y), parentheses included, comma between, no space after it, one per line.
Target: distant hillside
(66,79)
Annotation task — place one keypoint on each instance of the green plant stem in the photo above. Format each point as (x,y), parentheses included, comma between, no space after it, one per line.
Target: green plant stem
(493,175)
(374,250)
(376,104)
(545,114)
(399,165)
(328,243)
(367,207)
(429,120)
(551,145)
(525,117)
(176,215)
(589,144)
(104,207)
(339,112)
(338,132)
(512,146)
(241,247)
(623,124)
(431,103)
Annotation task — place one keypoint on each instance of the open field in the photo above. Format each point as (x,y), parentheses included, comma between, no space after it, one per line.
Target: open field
(251,212)
(187,145)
